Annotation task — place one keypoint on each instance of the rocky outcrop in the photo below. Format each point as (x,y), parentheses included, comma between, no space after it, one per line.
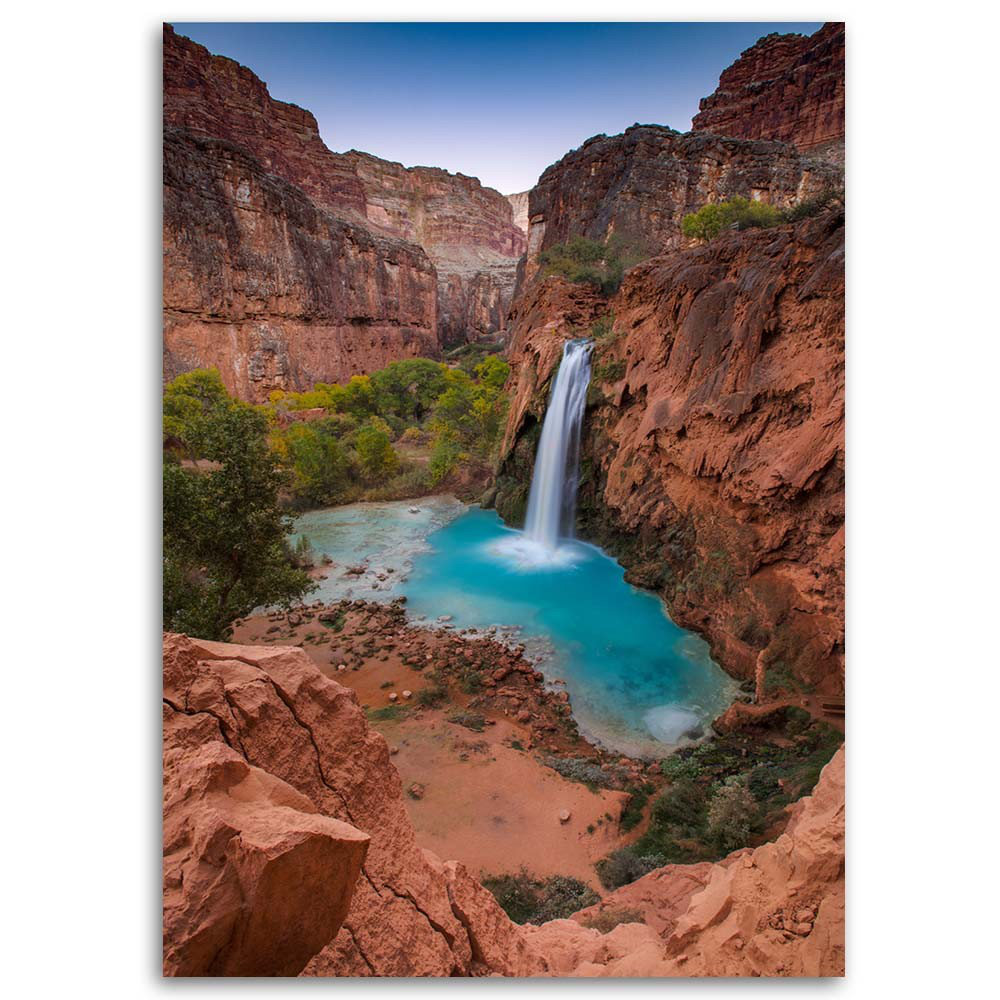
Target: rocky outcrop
(286,264)
(274,786)
(638,186)
(713,452)
(271,290)
(786,87)
(776,910)
(519,206)
(287,849)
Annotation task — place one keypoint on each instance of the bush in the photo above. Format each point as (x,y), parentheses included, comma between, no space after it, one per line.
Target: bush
(632,815)
(608,919)
(734,213)
(585,261)
(433,696)
(528,899)
(586,772)
(731,815)
(626,865)
(470,720)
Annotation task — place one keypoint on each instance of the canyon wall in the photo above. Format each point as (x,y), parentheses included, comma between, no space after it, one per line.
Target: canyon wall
(288,850)
(638,186)
(519,206)
(713,458)
(287,264)
(466,229)
(786,87)
(271,290)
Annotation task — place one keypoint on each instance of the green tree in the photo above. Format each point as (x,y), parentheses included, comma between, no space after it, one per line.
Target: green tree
(192,402)
(375,454)
(225,548)
(407,389)
(320,464)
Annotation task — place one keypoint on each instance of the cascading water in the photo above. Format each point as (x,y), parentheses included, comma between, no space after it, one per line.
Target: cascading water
(552,502)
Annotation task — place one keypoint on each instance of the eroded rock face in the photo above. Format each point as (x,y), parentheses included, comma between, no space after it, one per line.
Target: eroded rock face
(776,910)
(233,713)
(286,264)
(466,229)
(713,453)
(519,206)
(274,292)
(287,849)
(786,87)
(638,186)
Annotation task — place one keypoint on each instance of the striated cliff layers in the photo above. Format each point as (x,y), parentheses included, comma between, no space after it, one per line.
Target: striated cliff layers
(519,206)
(713,459)
(271,290)
(286,263)
(786,87)
(638,186)
(288,850)
(466,229)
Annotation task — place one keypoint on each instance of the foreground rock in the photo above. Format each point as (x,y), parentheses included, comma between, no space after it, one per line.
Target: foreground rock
(271,709)
(277,794)
(777,910)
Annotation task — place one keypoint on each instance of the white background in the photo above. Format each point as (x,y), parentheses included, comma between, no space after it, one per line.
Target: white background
(79,205)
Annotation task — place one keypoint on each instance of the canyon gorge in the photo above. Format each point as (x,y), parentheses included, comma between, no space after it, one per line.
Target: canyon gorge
(711,467)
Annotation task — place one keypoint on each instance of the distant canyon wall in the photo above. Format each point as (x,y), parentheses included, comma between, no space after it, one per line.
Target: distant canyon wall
(785,87)
(286,263)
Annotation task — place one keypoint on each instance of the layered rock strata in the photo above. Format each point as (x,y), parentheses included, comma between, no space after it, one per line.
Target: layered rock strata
(638,186)
(785,87)
(287,264)
(713,452)
(271,290)
(284,823)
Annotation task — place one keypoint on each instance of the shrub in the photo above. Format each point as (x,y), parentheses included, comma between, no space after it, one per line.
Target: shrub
(586,772)
(734,213)
(626,865)
(731,814)
(470,720)
(632,815)
(585,261)
(608,919)
(433,696)
(377,459)
(526,898)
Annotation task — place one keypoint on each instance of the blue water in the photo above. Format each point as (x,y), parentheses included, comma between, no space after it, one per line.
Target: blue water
(637,682)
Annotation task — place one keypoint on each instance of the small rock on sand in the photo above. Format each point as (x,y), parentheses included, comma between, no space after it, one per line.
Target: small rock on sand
(407,694)
(564,815)
(393,696)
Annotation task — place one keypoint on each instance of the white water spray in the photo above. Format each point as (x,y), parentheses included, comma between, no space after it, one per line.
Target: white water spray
(552,502)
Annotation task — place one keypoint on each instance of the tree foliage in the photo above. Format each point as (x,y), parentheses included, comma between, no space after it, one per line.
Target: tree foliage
(582,260)
(225,548)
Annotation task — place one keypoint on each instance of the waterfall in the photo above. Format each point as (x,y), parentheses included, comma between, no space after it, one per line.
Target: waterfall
(552,502)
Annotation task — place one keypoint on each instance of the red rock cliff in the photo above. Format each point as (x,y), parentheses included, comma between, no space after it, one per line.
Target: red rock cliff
(641,184)
(713,461)
(287,264)
(787,87)
(467,230)
(288,850)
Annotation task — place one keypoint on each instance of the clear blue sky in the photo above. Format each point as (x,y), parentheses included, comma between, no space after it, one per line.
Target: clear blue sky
(497,101)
